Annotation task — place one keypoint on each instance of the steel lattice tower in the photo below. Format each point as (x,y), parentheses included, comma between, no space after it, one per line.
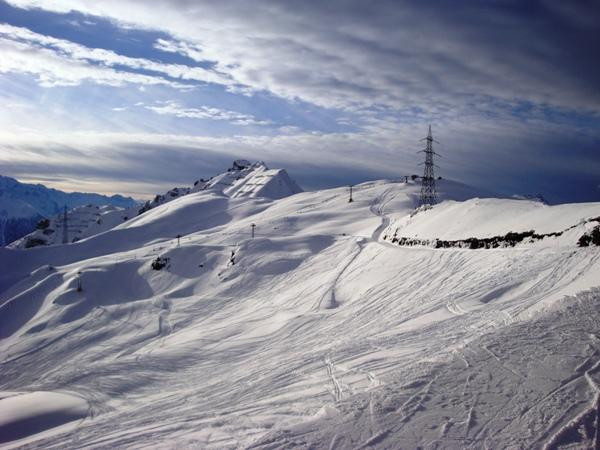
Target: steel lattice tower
(428,194)
(65,223)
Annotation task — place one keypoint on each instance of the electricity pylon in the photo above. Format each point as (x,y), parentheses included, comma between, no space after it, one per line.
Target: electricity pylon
(65,234)
(428,193)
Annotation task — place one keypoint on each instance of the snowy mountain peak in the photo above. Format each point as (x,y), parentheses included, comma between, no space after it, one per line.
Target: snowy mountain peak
(245,179)
(240,164)
(242,179)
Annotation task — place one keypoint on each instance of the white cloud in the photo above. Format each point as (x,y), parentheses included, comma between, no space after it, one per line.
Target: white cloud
(481,154)
(175,109)
(350,55)
(59,62)
(187,49)
(52,69)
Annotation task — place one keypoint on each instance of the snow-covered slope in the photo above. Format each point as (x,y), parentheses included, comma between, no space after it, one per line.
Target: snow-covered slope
(491,217)
(252,180)
(316,333)
(23,205)
(82,222)
(243,179)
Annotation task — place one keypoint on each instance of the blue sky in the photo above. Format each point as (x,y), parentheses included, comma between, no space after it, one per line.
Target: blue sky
(119,96)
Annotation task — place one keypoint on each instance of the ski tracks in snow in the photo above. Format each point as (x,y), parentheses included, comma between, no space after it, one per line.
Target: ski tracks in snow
(455,308)
(333,302)
(378,209)
(586,423)
(337,386)
(164,324)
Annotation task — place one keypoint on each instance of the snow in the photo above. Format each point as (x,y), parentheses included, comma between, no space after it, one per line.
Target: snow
(483,218)
(243,180)
(36,198)
(26,413)
(320,334)
(82,222)
(251,180)
(23,205)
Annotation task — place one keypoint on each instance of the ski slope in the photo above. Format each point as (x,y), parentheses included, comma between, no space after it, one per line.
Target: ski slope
(317,333)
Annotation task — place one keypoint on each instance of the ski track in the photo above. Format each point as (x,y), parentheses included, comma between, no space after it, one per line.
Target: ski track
(446,360)
(337,387)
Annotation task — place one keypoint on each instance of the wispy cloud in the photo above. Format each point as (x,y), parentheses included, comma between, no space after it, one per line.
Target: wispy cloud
(158,161)
(59,62)
(173,108)
(52,69)
(394,53)
(188,49)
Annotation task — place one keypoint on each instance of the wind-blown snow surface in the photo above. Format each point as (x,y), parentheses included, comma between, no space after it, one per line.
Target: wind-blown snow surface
(320,335)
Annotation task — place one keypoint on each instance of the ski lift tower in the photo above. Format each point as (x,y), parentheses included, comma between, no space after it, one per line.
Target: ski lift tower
(428,193)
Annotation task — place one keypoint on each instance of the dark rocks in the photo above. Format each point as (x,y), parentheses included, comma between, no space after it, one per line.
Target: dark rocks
(160,262)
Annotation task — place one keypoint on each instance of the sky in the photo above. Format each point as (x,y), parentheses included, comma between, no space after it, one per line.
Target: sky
(135,97)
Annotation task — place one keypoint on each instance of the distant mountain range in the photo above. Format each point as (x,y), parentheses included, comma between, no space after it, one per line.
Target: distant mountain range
(23,205)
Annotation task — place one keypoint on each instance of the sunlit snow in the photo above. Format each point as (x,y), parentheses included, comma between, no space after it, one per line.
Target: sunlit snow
(316,333)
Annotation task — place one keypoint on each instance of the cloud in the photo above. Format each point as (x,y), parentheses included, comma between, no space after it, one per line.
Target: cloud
(156,162)
(190,50)
(54,70)
(59,62)
(175,109)
(396,53)
(511,89)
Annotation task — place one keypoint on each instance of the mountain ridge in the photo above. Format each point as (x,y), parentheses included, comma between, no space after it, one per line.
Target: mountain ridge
(242,180)
(23,205)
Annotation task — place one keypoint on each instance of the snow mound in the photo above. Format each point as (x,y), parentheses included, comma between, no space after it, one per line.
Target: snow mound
(23,414)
